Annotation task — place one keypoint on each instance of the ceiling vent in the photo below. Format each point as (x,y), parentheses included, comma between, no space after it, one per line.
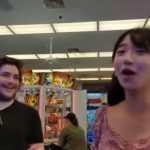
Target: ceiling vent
(54,4)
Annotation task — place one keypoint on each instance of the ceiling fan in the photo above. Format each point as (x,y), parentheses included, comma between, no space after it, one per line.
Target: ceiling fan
(50,59)
(6,5)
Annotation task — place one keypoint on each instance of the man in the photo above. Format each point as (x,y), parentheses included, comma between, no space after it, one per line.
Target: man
(20,125)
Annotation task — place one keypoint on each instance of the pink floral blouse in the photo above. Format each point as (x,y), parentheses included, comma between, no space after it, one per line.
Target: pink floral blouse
(106,139)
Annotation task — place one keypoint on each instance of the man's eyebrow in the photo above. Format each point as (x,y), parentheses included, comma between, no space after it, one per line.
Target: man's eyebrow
(6,72)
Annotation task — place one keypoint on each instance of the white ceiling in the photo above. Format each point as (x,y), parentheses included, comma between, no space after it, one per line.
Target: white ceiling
(35,12)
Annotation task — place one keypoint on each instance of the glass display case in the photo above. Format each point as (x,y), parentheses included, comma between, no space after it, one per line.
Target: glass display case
(52,103)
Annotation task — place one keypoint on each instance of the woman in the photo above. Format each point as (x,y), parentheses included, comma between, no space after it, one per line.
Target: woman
(72,137)
(126,125)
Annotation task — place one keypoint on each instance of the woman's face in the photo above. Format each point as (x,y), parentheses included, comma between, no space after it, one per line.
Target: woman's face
(132,65)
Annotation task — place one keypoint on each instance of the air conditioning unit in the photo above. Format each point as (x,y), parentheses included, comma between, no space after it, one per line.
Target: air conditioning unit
(54,4)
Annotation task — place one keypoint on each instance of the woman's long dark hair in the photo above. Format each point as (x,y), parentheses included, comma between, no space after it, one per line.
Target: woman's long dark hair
(116,92)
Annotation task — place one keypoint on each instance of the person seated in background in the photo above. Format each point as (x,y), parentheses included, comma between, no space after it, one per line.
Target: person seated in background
(72,136)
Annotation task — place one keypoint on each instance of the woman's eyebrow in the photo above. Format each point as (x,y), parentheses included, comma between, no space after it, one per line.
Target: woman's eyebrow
(121,45)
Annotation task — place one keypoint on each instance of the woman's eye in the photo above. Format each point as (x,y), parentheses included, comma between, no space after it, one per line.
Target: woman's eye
(120,52)
(141,51)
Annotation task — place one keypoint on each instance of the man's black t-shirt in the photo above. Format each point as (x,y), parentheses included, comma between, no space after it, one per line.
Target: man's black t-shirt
(20,127)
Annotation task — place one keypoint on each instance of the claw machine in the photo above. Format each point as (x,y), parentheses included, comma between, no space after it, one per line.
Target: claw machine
(31,96)
(57,103)
(51,95)
(30,91)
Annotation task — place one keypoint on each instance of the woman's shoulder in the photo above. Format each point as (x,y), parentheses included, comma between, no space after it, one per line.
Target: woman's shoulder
(100,116)
(101,109)
(103,112)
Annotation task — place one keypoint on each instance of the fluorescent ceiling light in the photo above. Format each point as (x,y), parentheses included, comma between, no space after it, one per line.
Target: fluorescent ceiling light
(83,55)
(105,54)
(75,27)
(77,79)
(23,56)
(31,29)
(63,70)
(88,79)
(106,69)
(5,31)
(120,24)
(60,55)
(36,71)
(104,78)
(86,69)
(148,23)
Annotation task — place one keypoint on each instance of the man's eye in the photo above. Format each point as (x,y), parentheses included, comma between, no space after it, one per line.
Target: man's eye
(5,75)
(16,77)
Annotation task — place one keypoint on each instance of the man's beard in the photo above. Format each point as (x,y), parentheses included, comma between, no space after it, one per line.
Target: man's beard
(6,98)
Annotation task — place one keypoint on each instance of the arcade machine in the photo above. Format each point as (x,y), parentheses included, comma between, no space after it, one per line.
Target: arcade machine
(95,100)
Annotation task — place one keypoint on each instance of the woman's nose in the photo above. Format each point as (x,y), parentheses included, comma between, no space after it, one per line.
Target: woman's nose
(129,58)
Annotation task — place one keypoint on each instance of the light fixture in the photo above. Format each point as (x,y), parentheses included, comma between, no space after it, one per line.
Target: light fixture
(60,55)
(85,69)
(75,27)
(121,24)
(148,24)
(105,78)
(63,70)
(106,69)
(38,71)
(83,55)
(105,54)
(89,79)
(23,56)
(31,29)
(5,31)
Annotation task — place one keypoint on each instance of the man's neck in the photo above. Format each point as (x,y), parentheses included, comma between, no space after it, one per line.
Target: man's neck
(5,104)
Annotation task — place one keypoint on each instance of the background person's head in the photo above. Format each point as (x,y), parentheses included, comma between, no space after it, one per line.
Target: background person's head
(71,118)
(13,62)
(10,77)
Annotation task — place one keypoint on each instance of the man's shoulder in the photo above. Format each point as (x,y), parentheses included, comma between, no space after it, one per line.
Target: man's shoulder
(22,106)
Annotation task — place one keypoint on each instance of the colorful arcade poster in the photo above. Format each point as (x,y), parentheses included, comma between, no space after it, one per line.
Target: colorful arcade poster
(26,77)
(62,79)
(32,97)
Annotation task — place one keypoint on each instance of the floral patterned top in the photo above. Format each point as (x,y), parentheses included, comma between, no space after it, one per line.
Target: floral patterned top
(106,139)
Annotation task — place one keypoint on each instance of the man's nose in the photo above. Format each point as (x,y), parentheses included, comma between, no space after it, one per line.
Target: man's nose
(11,79)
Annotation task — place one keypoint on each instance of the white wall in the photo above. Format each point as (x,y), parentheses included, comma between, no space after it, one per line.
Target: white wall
(80,107)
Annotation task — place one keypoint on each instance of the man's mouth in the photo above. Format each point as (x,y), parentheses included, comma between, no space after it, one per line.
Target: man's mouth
(9,87)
